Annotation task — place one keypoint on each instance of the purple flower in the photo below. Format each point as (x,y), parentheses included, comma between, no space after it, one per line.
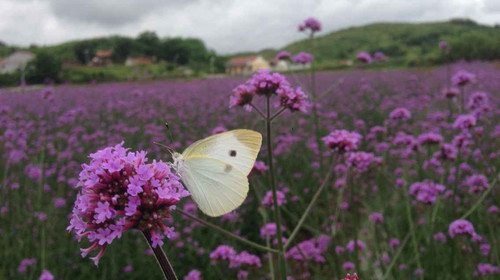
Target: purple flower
(46,275)
(292,99)
(243,95)
(245,258)
(461,227)
(342,140)
(303,58)
(426,192)
(283,55)
(462,78)
(311,249)
(441,237)
(193,275)
(359,243)
(362,161)
(400,114)
(486,269)
(478,99)
(429,138)
(266,83)
(111,201)
(268,198)
(450,92)
(394,242)
(464,122)
(348,266)
(376,218)
(379,56)
(310,23)
(25,263)
(364,57)
(222,252)
(445,46)
(260,167)
(477,183)
(269,230)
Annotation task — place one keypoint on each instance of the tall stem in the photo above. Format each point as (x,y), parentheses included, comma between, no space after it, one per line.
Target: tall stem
(309,208)
(227,233)
(276,209)
(315,109)
(161,258)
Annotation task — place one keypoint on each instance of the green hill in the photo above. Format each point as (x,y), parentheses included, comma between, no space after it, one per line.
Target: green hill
(403,42)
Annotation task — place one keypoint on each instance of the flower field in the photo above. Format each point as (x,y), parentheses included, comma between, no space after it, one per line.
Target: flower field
(406,163)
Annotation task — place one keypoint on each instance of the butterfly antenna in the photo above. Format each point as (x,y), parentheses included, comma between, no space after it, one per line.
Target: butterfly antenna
(169,132)
(170,150)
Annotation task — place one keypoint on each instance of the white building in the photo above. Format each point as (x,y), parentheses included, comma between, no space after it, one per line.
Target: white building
(16,61)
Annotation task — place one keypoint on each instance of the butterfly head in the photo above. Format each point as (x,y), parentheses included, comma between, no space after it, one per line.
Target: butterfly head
(178,161)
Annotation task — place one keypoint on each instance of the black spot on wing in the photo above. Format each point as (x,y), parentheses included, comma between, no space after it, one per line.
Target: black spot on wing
(232,153)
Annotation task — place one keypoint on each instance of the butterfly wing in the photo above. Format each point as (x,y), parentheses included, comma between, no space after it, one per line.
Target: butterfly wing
(216,187)
(238,148)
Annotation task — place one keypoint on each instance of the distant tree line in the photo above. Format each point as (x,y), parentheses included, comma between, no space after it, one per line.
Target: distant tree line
(178,51)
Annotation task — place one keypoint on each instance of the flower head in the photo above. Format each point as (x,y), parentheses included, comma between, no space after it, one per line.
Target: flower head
(243,95)
(303,58)
(477,183)
(362,161)
(461,227)
(283,55)
(400,114)
(462,78)
(342,140)
(311,24)
(193,275)
(379,56)
(426,192)
(364,57)
(120,190)
(292,99)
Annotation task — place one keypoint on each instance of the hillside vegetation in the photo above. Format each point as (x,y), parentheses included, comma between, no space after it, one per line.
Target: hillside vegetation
(410,44)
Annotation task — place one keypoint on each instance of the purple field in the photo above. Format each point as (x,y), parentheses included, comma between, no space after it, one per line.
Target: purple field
(418,189)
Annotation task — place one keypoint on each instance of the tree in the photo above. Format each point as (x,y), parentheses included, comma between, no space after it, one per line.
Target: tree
(43,67)
(149,42)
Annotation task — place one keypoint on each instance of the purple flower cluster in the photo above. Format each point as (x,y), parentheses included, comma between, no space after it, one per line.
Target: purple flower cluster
(464,122)
(379,56)
(364,57)
(283,55)
(311,24)
(303,58)
(429,138)
(310,250)
(462,78)
(121,191)
(342,140)
(461,227)
(400,114)
(487,269)
(361,161)
(228,253)
(426,192)
(477,183)
(263,83)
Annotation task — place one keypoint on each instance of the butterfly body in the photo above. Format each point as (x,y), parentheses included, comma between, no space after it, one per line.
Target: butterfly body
(215,169)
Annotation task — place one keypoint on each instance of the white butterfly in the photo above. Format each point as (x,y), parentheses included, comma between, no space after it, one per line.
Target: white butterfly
(215,169)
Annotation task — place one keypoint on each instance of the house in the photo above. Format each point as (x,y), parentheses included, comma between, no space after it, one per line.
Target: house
(245,65)
(102,58)
(142,60)
(280,65)
(15,61)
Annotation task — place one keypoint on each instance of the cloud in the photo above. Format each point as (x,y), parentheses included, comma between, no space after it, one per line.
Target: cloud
(225,25)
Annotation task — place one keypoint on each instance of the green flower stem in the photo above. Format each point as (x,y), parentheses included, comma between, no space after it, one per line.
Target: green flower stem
(161,258)
(412,232)
(309,207)
(396,256)
(478,202)
(227,233)
(276,209)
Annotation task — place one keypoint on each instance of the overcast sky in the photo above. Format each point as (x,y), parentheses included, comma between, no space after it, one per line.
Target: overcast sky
(227,26)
